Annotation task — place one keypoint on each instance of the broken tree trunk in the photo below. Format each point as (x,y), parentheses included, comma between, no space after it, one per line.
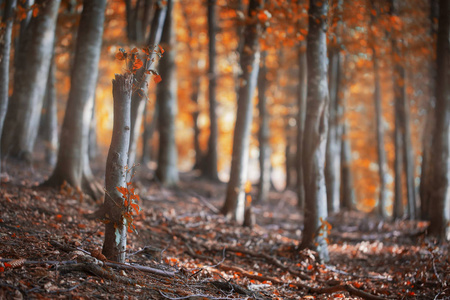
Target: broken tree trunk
(115,242)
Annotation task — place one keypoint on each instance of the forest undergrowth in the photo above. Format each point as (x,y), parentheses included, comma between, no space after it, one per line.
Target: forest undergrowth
(50,248)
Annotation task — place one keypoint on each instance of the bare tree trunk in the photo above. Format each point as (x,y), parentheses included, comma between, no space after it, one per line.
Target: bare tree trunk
(347,190)
(195,114)
(440,198)
(264,134)
(140,95)
(115,243)
(22,119)
(234,206)
(5,50)
(398,212)
(301,103)
(72,165)
(316,128)
(49,118)
(93,147)
(210,166)
(425,188)
(167,171)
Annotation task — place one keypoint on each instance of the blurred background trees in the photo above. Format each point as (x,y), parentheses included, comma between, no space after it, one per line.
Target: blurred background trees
(383,97)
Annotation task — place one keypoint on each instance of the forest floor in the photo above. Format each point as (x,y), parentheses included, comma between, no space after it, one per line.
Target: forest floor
(186,250)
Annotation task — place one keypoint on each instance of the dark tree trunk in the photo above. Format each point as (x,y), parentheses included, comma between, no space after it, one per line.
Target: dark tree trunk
(93,147)
(5,50)
(263,134)
(115,243)
(23,115)
(425,188)
(316,128)
(382,161)
(194,97)
(347,191)
(49,118)
(72,165)
(140,95)
(210,166)
(301,103)
(398,212)
(147,135)
(403,147)
(234,206)
(289,159)
(440,198)
(167,171)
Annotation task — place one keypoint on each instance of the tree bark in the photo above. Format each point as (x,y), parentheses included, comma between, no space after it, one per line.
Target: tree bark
(301,103)
(264,134)
(22,118)
(72,164)
(115,243)
(167,171)
(49,118)
(425,188)
(234,206)
(210,166)
(440,198)
(93,147)
(316,127)
(347,190)
(382,161)
(5,50)
(140,95)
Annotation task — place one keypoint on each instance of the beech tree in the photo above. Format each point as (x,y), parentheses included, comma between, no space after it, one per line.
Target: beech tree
(440,198)
(235,202)
(73,164)
(209,167)
(138,101)
(263,133)
(5,49)
(333,150)
(115,242)
(382,164)
(166,95)
(30,78)
(315,134)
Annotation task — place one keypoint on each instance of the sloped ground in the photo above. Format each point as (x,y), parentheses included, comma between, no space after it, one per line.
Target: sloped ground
(185,250)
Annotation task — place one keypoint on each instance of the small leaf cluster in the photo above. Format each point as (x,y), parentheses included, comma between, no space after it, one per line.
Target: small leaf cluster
(130,206)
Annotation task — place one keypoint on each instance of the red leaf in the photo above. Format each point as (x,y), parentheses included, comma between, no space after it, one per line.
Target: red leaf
(121,56)
(161,49)
(157,79)
(138,64)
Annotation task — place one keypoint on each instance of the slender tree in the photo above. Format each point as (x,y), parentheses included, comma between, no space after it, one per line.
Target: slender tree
(72,165)
(333,152)
(316,127)
(440,198)
(263,134)
(301,116)
(49,118)
(30,78)
(210,166)
(5,49)
(115,242)
(138,100)
(382,161)
(425,188)
(166,94)
(234,206)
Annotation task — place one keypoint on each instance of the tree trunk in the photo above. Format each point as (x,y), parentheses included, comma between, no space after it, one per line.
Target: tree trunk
(333,152)
(49,118)
(402,130)
(72,165)
(115,243)
(22,119)
(234,205)
(440,198)
(5,50)
(381,152)
(425,188)
(301,103)
(316,127)
(264,134)
(210,166)
(347,191)
(167,171)
(147,135)
(140,95)
(195,114)
(93,147)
